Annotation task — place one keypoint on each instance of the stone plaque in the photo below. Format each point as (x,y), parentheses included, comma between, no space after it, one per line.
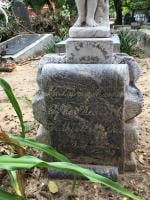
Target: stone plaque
(89,50)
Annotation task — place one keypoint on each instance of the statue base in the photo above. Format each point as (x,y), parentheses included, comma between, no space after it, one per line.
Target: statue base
(88,32)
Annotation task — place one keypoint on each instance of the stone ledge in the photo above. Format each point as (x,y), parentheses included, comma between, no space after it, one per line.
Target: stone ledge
(90,32)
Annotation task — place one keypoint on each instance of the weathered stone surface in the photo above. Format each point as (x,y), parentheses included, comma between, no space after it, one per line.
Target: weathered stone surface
(133,103)
(90,50)
(39,108)
(52,58)
(48,59)
(130,164)
(43,135)
(143,38)
(84,104)
(131,135)
(61,47)
(134,69)
(116,43)
(88,32)
(131,143)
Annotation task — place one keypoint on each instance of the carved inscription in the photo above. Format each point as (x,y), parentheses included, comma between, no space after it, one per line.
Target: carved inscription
(77,123)
(89,51)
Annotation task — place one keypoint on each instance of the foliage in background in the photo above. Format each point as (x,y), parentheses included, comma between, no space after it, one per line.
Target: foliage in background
(58,4)
(3,18)
(57,22)
(51,48)
(11,29)
(18,160)
(36,5)
(60,16)
(127,41)
(119,8)
(3,12)
(140,5)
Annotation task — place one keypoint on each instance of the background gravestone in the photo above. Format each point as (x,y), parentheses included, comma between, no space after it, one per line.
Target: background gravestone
(21,12)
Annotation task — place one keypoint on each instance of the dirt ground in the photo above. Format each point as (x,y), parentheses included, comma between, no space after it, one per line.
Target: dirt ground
(23,82)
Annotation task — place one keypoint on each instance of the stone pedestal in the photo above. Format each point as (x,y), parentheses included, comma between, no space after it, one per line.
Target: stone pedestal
(87,101)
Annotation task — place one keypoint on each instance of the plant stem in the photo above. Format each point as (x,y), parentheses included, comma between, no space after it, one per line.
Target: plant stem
(74,186)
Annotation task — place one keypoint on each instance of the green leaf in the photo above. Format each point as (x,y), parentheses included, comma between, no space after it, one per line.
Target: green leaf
(6,87)
(7,196)
(14,182)
(41,147)
(127,41)
(28,162)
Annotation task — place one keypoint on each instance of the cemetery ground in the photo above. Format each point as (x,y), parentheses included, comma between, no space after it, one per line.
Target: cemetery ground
(23,82)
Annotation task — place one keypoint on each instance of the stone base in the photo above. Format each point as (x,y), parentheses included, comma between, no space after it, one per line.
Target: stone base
(88,32)
(89,51)
(106,171)
(61,46)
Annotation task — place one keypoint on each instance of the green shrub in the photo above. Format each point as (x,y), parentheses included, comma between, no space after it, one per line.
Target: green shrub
(11,29)
(56,22)
(127,40)
(51,47)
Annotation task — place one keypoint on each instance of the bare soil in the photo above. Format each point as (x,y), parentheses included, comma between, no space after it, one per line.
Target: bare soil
(23,82)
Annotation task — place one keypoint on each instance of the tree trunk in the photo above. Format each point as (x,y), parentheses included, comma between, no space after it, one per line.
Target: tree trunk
(118,8)
(51,5)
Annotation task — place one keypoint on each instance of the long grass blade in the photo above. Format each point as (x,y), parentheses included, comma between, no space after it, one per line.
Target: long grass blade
(28,162)
(14,182)
(42,148)
(7,88)
(17,182)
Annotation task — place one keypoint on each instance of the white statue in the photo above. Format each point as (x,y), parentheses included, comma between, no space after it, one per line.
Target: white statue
(86,12)
(93,19)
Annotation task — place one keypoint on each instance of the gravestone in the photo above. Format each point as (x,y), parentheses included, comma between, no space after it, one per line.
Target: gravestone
(25,46)
(21,12)
(20,42)
(87,101)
